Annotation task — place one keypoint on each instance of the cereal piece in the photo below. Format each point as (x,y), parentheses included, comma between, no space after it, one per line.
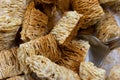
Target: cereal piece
(34,24)
(44,68)
(114,73)
(90,72)
(66,27)
(23,77)
(9,65)
(73,54)
(45,46)
(11,15)
(91,10)
(107,28)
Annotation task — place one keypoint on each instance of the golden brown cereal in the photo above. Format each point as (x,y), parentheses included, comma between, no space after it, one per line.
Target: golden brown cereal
(90,72)
(91,10)
(107,28)
(44,68)
(9,65)
(73,54)
(45,46)
(66,27)
(34,24)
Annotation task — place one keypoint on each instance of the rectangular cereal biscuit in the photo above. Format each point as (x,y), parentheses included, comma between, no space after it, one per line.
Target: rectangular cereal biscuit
(34,24)
(48,70)
(91,10)
(66,27)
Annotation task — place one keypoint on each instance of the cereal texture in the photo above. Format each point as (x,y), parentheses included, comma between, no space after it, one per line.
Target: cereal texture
(91,10)
(45,46)
(34,24)
(66,27)
(9,65)
(90,72)
(107,28)
(73,54)
(44,68)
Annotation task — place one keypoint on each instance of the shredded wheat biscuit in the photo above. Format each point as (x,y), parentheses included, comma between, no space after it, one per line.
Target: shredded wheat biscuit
(44,68)
(34,24)
(66,27)
(45,46)
(107,28)
(11,15)
(73,54)
(90,72)
(9,65)
(91,10)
